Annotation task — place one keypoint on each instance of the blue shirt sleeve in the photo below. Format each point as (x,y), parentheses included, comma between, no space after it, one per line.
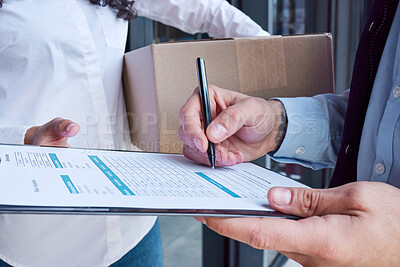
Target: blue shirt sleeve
(314,130)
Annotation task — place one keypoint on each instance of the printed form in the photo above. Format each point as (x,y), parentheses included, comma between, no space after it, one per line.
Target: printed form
(65,177)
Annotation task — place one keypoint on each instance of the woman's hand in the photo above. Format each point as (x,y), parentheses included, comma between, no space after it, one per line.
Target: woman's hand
(54,133)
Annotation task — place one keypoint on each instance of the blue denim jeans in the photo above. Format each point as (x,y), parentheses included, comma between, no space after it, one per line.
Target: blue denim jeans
(147,253)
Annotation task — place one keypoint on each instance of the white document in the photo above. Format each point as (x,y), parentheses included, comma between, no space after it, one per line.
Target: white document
(67,180)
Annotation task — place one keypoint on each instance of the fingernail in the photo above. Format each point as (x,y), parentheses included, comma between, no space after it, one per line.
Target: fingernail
(69,127)
(281,196)
(218,131)
(197,142)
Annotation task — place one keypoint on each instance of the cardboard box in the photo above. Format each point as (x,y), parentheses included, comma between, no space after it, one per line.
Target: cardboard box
(158,79)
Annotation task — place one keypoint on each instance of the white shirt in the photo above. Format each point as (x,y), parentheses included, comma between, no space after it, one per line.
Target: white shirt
(64,59)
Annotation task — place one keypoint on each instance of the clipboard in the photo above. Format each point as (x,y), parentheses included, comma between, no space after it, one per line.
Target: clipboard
(52,180)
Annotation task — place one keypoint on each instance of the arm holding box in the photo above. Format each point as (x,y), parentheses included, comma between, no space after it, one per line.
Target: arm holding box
(216,17)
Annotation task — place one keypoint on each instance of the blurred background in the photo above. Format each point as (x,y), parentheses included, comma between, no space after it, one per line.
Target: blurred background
(185,241)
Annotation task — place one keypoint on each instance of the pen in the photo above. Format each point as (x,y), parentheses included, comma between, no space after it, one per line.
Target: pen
(205,105)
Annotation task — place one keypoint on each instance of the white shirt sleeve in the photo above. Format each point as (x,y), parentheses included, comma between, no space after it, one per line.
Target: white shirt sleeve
(314,131)
(13,134)
(216,17)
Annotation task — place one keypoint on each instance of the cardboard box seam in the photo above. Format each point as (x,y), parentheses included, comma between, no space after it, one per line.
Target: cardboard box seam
(159,125)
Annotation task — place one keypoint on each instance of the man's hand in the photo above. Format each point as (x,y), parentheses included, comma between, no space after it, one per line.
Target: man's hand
(54,133)
(353,225)
(244,128)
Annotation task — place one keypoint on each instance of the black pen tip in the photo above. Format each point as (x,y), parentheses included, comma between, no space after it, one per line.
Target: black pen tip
(212,162)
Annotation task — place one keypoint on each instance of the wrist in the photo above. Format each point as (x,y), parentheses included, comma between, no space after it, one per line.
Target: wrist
(279,129)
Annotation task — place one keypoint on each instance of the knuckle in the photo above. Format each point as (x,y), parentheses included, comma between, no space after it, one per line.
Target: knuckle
(57,122)
(358,196)
(195,93)
(183,109)
(213,87)
(186,120)
(235,115)
(182,114)
(253,101)
(61,124)
(181,135)
(56,119)
(308,200)
(190,130)
(52,123)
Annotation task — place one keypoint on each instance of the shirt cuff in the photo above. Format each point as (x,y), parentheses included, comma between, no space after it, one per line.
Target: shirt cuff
(306,134)
(13,134)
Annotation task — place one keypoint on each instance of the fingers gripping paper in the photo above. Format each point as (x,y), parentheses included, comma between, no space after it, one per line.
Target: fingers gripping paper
(260,64)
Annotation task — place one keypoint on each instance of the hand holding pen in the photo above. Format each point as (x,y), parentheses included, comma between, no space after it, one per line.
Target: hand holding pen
(243,128)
